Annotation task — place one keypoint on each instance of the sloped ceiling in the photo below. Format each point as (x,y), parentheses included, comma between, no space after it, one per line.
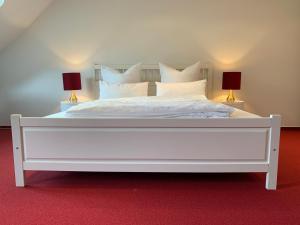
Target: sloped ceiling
(16,16)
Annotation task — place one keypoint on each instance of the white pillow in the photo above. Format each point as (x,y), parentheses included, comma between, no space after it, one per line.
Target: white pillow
(123,90)
(112,76)
(181,89)
(171,75)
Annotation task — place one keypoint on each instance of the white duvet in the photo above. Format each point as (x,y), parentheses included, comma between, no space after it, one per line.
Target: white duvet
(152,107)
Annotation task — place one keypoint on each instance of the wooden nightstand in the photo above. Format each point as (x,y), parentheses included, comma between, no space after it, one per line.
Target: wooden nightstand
(65,105)
(237,104)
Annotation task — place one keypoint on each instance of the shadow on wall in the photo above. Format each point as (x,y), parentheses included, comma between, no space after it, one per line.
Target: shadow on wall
(32,86)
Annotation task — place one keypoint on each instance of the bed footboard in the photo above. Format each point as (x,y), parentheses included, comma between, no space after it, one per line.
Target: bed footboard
(146,145)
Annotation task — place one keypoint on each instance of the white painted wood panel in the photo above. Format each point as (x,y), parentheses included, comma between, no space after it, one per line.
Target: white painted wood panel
(135,123)
(146,143)
(273,153)
(18,151)
(210,145)
(179,166)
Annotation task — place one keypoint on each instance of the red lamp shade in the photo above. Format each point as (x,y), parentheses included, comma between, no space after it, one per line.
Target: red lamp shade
(231,81)
(71,81)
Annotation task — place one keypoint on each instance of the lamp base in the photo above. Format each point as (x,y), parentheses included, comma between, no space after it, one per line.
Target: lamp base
(230,97)
(73,97)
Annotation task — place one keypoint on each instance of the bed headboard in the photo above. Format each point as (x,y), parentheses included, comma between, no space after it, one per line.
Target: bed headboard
(150,73)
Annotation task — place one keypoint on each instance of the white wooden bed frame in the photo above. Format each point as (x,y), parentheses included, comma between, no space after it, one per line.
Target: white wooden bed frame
(146,145)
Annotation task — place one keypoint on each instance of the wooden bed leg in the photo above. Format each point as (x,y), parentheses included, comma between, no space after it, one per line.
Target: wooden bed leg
(271,179)
(18,150)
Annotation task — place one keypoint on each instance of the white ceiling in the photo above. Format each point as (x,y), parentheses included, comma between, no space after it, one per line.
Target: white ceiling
(16,16)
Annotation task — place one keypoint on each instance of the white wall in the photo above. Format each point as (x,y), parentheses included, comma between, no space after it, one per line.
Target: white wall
(16,16)
(258,37)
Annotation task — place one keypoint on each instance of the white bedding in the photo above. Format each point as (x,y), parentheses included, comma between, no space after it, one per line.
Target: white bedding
(237,113)
(152,107)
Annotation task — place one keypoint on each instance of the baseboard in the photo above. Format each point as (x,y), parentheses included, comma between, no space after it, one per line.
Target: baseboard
(5,127)
(282,128)
(290,128)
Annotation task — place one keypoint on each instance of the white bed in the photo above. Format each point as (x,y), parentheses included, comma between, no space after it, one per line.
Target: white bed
(242,143)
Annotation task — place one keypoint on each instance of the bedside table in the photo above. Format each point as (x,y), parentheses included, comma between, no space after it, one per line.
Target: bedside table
(65,105)
(237,104)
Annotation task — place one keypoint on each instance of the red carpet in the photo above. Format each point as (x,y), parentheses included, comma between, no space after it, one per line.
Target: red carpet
(142,199)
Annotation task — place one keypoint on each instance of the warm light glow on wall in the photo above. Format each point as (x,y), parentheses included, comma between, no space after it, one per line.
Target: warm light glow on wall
(230,45)
(75,54)
(76,59)
(230,55)
(228,58)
